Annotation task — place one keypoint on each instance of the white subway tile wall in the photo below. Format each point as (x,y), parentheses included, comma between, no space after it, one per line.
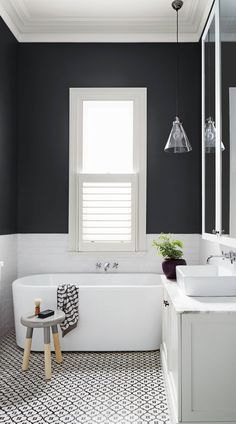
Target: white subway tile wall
(8,273)
(45,253)
(26,254)
(209,248)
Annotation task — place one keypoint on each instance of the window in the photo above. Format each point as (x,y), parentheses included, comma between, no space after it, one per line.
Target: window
(107,169)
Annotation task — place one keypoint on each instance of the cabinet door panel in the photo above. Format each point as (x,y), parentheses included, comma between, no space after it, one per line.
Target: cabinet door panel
(209,367)
(173,357)
(171,349)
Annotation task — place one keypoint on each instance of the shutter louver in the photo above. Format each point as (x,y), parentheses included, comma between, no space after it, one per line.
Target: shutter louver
(107,212)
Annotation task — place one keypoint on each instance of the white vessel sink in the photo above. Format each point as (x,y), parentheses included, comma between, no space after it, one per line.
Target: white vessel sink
(206,280)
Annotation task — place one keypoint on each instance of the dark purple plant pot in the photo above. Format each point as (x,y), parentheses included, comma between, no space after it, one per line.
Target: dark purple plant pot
(169,267)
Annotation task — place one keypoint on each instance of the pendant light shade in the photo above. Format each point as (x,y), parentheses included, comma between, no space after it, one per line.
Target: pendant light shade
(178,141)
(210,137)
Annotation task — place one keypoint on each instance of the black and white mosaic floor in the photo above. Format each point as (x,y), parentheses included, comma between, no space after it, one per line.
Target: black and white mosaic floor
(87,388)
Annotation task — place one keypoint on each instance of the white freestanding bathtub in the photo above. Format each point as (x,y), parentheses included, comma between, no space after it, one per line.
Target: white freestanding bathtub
(117,312)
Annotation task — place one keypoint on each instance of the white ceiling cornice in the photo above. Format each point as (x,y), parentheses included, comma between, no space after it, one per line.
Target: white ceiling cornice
(28,27)
(9,22)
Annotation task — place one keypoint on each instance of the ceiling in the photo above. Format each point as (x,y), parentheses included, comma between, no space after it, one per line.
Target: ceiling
(228,20)
(103,20)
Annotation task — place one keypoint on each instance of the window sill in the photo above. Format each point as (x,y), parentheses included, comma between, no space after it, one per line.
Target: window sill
(110,254)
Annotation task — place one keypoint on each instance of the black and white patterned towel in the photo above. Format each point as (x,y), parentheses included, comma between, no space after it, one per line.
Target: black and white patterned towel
(68,302)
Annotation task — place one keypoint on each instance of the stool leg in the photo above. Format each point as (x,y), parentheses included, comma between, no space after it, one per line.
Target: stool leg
(27,349)
(47,353)
(57,347)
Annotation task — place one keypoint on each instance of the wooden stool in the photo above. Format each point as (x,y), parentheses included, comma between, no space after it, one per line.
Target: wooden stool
(32,322)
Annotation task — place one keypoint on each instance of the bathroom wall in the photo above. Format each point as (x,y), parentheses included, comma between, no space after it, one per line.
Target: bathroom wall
(8,273)
(8,166)
(42,253)
(34,102)
(228,51)
(208,248)
(46,71)
(8,110)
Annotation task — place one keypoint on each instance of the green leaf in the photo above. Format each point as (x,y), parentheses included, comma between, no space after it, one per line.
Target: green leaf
(168,247)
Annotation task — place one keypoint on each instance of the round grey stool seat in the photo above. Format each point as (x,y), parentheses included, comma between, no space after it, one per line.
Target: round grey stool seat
(31,322)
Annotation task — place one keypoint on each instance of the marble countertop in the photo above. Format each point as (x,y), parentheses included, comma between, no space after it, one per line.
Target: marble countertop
(187,304)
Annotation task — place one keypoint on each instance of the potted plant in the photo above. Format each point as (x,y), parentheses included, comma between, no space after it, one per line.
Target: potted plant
(171,250)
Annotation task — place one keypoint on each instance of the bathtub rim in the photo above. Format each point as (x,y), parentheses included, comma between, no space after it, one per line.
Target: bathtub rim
(19,282)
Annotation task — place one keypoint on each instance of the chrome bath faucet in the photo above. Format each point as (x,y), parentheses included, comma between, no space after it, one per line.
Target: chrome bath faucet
(107,265)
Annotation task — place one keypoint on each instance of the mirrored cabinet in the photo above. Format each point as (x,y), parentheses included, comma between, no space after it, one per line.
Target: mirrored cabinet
(209,126)
(219,124)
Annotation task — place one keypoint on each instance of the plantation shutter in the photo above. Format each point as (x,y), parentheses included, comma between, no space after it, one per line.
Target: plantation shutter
(107,212)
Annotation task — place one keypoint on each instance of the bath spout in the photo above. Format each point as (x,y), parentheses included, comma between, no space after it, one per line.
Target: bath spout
(106,266)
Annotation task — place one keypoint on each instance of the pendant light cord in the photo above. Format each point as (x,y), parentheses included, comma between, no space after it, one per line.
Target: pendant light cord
(209,74)
(177,63)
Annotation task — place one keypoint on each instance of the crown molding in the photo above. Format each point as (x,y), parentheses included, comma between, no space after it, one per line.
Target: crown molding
(9,22)
(105,38)
(27,28)
(204,16)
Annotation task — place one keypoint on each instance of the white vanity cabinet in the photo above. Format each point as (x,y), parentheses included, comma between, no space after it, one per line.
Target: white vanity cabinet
(199,357)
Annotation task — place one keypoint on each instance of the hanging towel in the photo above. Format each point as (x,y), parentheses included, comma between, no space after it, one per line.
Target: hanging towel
(68,302)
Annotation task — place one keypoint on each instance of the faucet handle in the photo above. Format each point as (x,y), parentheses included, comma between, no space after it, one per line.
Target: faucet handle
(224,255)
(98,265)
(115,265)
(232,256)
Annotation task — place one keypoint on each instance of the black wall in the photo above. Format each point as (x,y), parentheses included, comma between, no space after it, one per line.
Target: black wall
(8,109)
(210,158)
(46,71)
(228,50)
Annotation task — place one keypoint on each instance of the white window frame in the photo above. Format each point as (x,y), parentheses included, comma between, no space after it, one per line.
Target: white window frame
(77,97)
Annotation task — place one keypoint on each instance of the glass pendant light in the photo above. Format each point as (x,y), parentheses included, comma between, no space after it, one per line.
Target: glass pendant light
(178,141)
(210,136)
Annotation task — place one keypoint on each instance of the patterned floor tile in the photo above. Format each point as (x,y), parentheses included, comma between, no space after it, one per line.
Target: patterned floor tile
(89,388)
